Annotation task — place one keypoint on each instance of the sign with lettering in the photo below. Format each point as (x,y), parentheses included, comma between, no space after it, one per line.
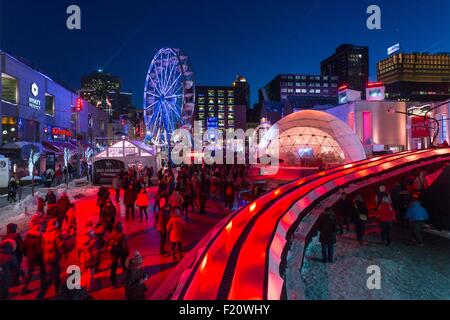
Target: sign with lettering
(419,127)
(61,132)
(33,101)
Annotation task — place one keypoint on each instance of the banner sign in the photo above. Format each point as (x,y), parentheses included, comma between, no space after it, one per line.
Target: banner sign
(105,170)
(419,127)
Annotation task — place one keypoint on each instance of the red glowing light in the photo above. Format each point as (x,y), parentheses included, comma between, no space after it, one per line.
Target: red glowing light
(344,87)
(277,192)
(253,207)
(374,84)
(229,226)
(79,105)
(203,265)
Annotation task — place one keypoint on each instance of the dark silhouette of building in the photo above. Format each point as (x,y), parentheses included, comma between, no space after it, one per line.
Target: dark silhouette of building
(350,64)
(103,90)
(416,76)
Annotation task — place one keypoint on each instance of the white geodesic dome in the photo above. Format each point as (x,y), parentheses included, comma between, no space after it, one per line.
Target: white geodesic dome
(311,134)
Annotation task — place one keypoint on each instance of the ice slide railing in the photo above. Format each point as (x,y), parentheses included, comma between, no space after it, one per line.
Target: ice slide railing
(241,259)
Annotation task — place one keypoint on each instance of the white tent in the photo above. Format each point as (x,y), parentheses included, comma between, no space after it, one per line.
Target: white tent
(119,157)
(311,133)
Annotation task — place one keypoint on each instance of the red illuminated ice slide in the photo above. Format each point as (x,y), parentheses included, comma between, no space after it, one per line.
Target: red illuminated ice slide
(242,260)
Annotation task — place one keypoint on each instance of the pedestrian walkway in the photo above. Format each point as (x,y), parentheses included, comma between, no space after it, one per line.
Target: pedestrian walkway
(141,237)
(407,271)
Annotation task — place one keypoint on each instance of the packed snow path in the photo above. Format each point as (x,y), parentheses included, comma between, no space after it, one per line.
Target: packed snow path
(408,272)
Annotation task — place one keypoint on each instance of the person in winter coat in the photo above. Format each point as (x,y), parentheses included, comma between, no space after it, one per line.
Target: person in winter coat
(118,249)
(175,228)
(52,248)
(360,217)
(39,215)
(404,201)
(102,195)
(386,217)
(9,267)
(32,250)
(11,233)
(380,194)
(117,184)
(71,216)
(50,197)
(344,210)
(129,200)
(327,228)
(161,225)
(12,190)
(176,200)
(109,215)
(417,215)
(87,250)
(229,195)
(135,278)
(142,202)
(63,204)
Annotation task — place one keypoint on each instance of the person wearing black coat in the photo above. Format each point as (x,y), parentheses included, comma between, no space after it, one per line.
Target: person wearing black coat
(50,198)
(11,233)
(8,266)
(32,250)
(327,228)
(360,217)
(344,210)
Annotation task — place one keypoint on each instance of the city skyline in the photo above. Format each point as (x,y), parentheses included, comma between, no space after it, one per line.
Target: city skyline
(302,36)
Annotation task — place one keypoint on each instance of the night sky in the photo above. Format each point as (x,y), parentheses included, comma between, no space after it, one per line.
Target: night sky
(258,39)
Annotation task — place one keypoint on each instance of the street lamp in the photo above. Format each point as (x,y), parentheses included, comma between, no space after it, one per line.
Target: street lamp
(78,108)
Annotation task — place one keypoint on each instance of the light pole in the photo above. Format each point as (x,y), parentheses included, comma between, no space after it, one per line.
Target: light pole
(78,109)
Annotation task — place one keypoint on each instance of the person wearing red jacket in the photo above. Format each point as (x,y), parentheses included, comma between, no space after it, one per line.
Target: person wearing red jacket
(142,202)
(386,216)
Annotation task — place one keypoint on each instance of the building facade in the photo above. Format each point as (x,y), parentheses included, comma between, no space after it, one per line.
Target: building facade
(104,90)
(38,114)
(222,107)
(416,76)
(350,64)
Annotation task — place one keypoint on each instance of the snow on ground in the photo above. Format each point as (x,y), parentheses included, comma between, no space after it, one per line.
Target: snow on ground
(407,272)
(22,211)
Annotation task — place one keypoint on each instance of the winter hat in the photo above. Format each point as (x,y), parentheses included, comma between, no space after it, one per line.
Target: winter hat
(11,228)
(8,245)
(137,258)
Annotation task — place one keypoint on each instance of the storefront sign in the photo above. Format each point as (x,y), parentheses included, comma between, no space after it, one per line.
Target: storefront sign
(33,102)
(393,49)
(61,132)
(419,127)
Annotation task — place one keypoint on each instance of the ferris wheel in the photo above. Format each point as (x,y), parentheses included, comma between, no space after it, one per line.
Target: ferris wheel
(168,95)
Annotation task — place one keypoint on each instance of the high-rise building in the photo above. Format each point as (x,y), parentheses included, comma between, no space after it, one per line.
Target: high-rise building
(416,76)
(350,64)
(287,93)
(102,89)
(222,107)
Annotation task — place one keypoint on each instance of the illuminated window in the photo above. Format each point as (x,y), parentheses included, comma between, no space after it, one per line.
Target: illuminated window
(220,93)
(211,101)
(221,101)
(201,100)
(9,89)
(211,93)
(230,100)
(49,104)
(230,93)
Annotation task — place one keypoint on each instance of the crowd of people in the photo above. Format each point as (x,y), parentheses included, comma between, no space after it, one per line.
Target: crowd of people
(46,244)
(401,205)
